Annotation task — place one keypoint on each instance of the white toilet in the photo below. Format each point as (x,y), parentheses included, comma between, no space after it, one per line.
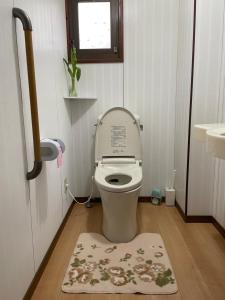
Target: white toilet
(118,174)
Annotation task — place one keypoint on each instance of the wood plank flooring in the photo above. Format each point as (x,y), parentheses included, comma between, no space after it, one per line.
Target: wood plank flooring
(196,251)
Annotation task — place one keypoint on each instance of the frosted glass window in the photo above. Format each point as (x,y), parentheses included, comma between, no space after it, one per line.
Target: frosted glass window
(95,29)
(94,25)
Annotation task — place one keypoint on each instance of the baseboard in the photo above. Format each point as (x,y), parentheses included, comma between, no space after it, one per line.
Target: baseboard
(184,217)
(144,199)
(45,260)
(220,228)
(83,199)
(201,219)
(98,199)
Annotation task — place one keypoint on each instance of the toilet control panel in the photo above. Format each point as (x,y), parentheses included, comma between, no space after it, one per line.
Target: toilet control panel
(118,138)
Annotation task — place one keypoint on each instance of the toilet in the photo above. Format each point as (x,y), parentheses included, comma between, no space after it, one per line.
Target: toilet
(118,173)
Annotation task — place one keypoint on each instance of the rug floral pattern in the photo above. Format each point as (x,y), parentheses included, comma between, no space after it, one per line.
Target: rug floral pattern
(98,266)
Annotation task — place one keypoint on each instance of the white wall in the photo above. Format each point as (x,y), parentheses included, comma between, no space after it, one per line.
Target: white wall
(48,203)
(145,84)
(105,81)
(206,191)
(29,221)
(218,209)
(184,62)
(16,252)
(219,193)
(208,59)
(150,82)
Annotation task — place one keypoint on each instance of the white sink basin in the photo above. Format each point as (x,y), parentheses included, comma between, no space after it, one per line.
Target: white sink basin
(200,130)
(216,142)
(214,137)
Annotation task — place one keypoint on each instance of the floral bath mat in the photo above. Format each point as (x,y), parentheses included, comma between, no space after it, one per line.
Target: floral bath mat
(140,266)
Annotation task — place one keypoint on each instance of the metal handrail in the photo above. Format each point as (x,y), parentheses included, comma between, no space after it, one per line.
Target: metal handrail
(27,27)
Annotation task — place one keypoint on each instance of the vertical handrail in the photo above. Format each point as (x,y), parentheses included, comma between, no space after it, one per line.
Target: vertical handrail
(27,27)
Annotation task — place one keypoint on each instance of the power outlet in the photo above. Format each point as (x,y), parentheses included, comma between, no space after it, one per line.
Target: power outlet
(65,185)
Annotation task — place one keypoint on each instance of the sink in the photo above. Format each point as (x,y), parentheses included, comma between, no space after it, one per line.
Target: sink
(216,142)
(200,130)
(214,137)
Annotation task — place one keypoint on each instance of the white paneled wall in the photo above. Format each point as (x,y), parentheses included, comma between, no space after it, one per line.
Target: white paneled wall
(104,81)
(16,251)
(145,84)
(206,99)
(219,193)
(206,192)
(150,82)
(219,186)
(48,203)
(184,61)
(64,116)
(31,212)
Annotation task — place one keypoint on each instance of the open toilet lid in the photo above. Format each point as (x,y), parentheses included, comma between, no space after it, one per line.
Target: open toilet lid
(117,135)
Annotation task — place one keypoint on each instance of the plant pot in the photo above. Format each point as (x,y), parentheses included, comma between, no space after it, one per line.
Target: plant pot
(72,88)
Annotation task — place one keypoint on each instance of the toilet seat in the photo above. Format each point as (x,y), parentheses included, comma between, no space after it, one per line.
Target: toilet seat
(120,171)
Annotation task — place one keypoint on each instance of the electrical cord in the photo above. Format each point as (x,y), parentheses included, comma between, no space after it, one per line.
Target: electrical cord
(74,198)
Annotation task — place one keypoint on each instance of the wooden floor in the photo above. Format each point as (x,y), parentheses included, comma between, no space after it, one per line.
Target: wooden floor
(196,251)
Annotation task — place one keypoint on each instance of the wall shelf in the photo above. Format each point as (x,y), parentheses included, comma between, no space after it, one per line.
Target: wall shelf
(80,98)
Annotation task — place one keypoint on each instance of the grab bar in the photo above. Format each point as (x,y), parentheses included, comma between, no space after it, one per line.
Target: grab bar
(27,27)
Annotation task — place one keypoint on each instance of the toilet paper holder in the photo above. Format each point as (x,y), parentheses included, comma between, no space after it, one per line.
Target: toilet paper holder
(49,148)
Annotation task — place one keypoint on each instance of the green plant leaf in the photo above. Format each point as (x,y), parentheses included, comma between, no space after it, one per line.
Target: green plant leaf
(66,62)
(68,67)
(70,72)
(73,56)
(78,73)
(74,72)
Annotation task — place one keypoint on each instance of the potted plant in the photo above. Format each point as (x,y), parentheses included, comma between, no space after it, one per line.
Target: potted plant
(74,71)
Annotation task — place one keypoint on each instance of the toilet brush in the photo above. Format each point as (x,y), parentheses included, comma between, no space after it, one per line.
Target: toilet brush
(170,191)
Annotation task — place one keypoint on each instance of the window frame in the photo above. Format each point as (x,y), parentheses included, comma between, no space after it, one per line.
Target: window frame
(96,55)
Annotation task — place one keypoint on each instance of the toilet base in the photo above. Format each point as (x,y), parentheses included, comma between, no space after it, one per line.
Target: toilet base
(120,215)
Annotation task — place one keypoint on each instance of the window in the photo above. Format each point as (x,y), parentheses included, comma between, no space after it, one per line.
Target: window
(95,28)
